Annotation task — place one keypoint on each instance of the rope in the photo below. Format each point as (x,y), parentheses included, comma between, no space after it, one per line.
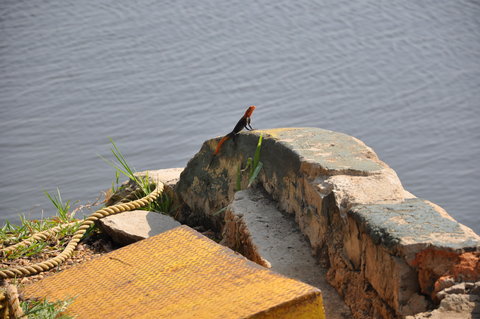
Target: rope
(3,305)
(85,224)
(14,308)
(43,235)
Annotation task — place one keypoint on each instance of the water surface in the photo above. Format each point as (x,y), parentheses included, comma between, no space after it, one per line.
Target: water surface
(160,77)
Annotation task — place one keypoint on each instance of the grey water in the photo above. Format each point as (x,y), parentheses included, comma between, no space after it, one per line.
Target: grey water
(160,77)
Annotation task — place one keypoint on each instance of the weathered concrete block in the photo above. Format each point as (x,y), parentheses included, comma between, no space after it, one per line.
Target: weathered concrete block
(408,230)
(129,227)
(375,235)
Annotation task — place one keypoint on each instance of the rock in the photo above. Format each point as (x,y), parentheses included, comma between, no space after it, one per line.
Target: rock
(258,230)
(459,303)
(456,289)
(385,247)
(476,288)
(169,177)
(415,304)
(468,267)
(442,283)
(129,227)
(454,306)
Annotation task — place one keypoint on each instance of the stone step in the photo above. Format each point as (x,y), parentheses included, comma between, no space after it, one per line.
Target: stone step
(255,227)
(178,274)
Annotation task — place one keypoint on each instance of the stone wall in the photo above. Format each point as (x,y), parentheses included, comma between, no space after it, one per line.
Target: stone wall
(387,251)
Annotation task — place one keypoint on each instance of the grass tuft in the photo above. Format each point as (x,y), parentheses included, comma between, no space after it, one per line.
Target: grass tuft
(253,165)
(256,157)
(254,174)
(122,167)
(11,234)
(63,209)
(43,309)
(162,204)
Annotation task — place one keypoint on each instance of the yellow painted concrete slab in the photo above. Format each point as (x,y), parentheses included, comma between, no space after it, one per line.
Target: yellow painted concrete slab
(178,274)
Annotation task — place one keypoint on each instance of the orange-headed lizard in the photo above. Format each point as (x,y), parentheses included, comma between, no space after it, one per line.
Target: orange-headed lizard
(243,123)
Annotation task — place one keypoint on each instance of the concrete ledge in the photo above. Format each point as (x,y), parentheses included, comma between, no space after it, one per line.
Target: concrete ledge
(378,239)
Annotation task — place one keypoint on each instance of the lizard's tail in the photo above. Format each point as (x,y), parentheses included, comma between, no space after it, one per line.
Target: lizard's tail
(226,137)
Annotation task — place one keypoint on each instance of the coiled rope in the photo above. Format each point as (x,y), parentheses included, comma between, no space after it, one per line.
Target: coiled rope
(84,225)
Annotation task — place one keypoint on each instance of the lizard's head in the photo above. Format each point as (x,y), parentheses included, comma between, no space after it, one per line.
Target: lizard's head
(250,110)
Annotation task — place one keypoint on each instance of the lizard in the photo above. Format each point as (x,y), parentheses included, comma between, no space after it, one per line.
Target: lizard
(244,122)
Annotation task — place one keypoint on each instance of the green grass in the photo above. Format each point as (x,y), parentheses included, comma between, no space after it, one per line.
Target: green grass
(221,210)
(63,209)
(122,167)
(11,233)
(27,251)
(163,204)
(257,165)
(254,166)
(254,174)
(42,309)
(256,156)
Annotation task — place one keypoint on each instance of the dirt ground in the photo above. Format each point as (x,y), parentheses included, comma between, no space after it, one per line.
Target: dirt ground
(93,247)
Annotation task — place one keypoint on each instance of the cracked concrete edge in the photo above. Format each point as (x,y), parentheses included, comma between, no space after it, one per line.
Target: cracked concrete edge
(237,237)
